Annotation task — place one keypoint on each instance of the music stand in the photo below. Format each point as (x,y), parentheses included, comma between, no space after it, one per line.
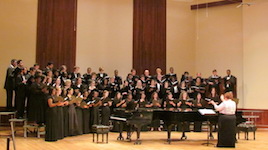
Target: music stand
(207,113)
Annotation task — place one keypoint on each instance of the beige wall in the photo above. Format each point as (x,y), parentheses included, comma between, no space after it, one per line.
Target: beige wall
(17,35)
(219,42)
(180,37)
(104,35)
(255,25)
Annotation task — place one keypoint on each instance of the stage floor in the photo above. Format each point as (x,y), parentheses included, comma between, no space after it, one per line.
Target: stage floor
(150,141)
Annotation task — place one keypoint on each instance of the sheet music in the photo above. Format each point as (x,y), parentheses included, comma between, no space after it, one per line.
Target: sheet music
(206,111)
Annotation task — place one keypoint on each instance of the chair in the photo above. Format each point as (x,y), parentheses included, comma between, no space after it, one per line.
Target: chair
(10,136)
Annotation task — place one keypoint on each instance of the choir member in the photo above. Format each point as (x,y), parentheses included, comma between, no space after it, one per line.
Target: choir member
(185,76)
(49,67)
(20,93)
(171,74)
(117,78)
(48,81)
(155,104)
(143,80)
(79,85)
(130,104)
(213,96)
(86,105)
(118,100)
(106,103)
(227,120)
(185,103)
(95,110)
(142,102)
(174,88)
(138,90)
(31,73)
(75,74)
(163,93)
(229,82)
(63,73)
(60,111)
(125,90)
(67,85)
(101,75)
(52,126)
(87,76)
(73,122)
(36,67)
(20,64)
(152,88)
(79,113)
(35,100)
(170,102)
(198,87)
(130,80)
(117,103)
(147,75)
(92,86)
(135,77)
(198,103)
(214,81)
(113,87)
(10,83)
(159,77)
(57,83)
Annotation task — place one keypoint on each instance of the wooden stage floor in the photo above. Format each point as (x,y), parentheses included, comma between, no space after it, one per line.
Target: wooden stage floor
(150,141)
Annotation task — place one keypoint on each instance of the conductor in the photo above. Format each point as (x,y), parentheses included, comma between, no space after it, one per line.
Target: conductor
(227,120)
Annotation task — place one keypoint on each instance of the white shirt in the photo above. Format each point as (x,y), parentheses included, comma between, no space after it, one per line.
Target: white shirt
(227,107)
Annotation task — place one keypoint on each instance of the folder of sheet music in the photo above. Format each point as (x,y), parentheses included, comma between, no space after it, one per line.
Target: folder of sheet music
(206,112)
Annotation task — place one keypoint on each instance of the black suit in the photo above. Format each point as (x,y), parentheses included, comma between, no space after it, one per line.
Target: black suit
(9,86)
(75,75)
(229,83)
(20,91)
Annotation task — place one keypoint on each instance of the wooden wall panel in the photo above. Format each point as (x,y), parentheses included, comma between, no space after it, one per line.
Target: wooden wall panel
(262,116)
(56,32)
(149,35)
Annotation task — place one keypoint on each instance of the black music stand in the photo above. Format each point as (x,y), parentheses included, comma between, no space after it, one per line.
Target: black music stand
(207,113)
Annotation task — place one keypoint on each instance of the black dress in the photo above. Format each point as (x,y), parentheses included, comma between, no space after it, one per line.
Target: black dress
(34,101)
(156,122)
(105,112)
(80,124)
(60,119)
(226,131)
(73,121)
(95,115)
(52,127)
(85,117)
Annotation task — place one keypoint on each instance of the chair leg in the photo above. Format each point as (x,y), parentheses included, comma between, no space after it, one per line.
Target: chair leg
(38,132)
(25,129)
(107,138)
(254,135)
(13,134)
(8,142)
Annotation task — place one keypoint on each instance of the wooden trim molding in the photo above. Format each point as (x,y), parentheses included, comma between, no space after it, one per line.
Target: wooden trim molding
(214,4)
(259,116)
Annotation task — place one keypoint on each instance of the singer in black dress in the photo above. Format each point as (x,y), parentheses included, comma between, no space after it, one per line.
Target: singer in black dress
(52,127)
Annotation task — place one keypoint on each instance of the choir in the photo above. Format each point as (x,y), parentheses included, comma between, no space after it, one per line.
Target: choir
(69,103)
